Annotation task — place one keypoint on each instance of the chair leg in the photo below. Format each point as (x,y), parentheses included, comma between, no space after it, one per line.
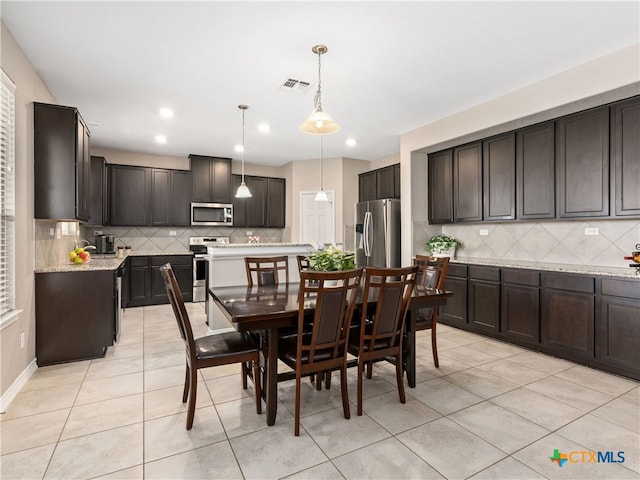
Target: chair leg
(185,392)
(297,412)
(400,378)
(319,377)
(193,390)
(256,384)
(245,374)
(369,369)
(360,374)
(345,391)
(327,379)
(434,344)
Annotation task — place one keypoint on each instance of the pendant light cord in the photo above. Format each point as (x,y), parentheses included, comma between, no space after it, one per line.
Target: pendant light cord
(242,152)
(318,97)
(322,162)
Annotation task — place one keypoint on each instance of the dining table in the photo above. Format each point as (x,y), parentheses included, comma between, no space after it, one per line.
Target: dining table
(267,310)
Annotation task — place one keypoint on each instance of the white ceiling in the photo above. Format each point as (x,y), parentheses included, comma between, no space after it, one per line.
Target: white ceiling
(391,66)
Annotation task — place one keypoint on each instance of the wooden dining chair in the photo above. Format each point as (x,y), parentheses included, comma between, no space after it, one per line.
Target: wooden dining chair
(267,270)
(432,273)
(323,347)
(210,350)
(303,262)
(381,331)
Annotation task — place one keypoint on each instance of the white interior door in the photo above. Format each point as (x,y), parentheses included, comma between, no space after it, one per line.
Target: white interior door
(317,219)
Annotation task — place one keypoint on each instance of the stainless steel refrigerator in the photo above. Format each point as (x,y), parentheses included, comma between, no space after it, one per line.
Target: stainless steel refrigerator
(377,233)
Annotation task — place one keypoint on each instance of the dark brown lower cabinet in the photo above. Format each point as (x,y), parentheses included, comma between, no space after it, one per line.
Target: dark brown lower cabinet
(146,286)
(484,298)
(75,315)
(454,313)
(592,320)
(568,314)
(520,306)
(618,326)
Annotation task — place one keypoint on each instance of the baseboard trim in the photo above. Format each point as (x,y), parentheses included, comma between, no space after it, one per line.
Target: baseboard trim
(16,386)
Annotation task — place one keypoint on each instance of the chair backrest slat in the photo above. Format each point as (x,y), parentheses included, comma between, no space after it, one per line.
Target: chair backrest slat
(267,270)
(391,289)
(335,295)
(179,309)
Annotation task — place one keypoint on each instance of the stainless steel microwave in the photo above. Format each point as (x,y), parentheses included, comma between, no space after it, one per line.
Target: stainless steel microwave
(212,214)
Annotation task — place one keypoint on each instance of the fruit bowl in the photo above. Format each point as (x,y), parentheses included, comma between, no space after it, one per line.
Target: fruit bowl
(79,256)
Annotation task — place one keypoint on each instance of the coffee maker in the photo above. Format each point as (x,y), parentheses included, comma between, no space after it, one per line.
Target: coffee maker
(105,244)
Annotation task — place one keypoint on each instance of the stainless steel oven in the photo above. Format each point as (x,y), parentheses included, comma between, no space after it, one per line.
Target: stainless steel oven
(198,245)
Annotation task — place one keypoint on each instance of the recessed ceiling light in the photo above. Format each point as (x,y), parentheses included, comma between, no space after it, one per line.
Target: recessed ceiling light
(161,139)
(351,142)
(264,128)
(238,148)
(166,112)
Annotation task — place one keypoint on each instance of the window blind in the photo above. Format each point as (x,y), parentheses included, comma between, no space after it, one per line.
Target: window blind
(7,195)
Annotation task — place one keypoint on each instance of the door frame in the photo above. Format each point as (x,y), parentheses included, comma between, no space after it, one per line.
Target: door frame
(332,196)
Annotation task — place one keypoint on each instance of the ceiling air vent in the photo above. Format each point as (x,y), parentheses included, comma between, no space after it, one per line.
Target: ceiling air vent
(293,85)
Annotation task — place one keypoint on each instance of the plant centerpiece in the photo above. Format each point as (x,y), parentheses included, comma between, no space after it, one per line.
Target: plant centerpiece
(442,245)
(331,259)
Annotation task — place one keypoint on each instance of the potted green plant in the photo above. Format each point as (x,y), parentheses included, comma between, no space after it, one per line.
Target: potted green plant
(442,245)
(331,259)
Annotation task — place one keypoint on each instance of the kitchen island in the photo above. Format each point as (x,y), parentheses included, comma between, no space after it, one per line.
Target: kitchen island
(226,268)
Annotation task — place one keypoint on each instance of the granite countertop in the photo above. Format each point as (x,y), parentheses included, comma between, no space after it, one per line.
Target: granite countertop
(282,244)
(553,267)
(102,262)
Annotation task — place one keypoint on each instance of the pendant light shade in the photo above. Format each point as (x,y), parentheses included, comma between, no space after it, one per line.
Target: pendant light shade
(321,196)
(319,122)
(243,190)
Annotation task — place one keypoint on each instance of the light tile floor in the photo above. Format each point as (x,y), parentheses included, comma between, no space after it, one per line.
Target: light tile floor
(491,411)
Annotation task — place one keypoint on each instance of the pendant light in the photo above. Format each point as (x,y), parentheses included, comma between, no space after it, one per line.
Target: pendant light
(321,196)
(243,190)
(319,122)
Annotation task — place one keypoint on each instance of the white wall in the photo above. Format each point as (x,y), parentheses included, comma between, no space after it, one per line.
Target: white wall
(29,88)
(608,78)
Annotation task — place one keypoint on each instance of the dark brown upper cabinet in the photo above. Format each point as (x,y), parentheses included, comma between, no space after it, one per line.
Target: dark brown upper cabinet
(170,197)
(625,157)
(441,187)
(582,164)
(210,179)
(129,188)
(380,183)
(499,177)
(266,206)
(467,183)
(97,191)
(62,163)
(367,188)
(276,202)
(535,172)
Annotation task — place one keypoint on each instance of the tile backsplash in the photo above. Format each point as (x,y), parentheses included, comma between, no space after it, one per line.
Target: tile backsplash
(53,249)
(560,241)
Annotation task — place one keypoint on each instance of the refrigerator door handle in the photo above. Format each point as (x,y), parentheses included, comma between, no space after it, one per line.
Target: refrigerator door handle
(387,243)
(367,234)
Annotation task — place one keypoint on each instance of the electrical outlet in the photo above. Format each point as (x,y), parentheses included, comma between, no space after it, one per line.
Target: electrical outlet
(52,232)
(172,233)
(97,232)
(592,231)
(249,234)
(21,341)
(484,232)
